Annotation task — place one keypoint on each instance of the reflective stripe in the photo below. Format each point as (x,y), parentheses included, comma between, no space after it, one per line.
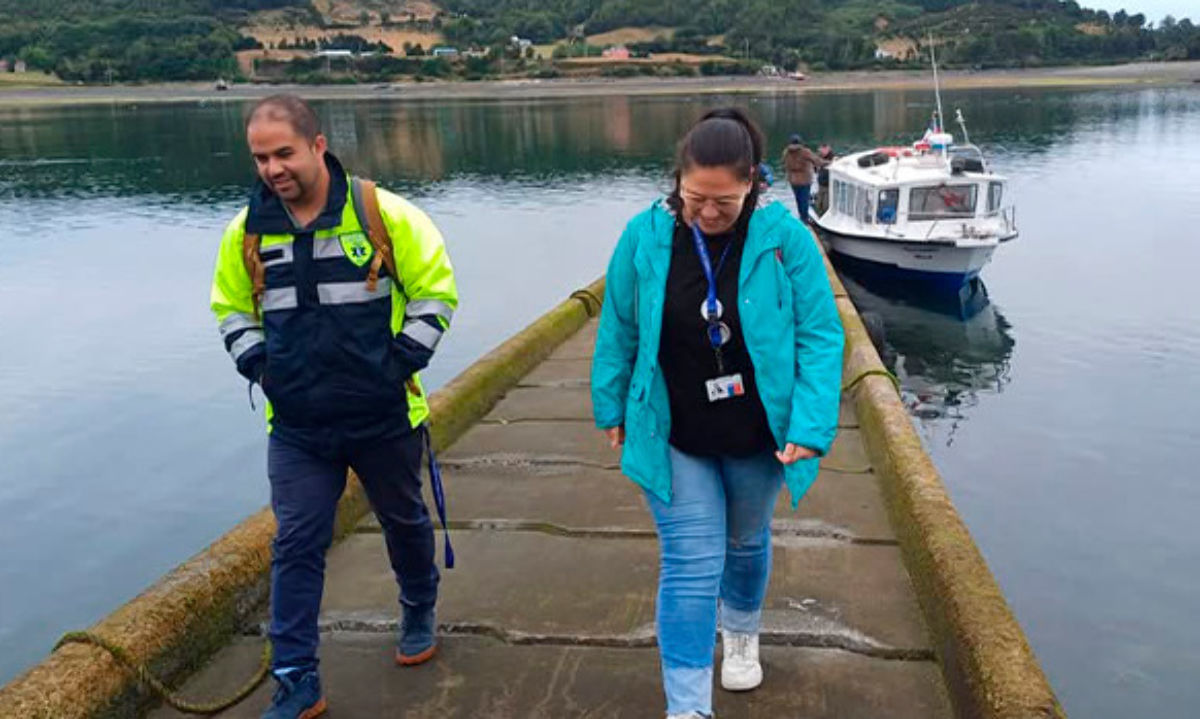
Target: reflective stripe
(246,342)
(237,322)
(416,308)
(283,298)
(277,258)
(344,293)
(327,247)
(421,333)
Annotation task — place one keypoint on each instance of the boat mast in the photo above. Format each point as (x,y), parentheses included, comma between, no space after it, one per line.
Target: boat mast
(937,90)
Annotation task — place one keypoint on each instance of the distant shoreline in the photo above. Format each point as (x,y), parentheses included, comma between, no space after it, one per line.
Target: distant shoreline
(1134,74)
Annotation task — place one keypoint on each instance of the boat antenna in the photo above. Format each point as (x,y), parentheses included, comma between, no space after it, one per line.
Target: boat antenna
(937,89)
(962,122)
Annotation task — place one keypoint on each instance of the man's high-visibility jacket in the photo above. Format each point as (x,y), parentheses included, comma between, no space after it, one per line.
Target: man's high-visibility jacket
(337,361)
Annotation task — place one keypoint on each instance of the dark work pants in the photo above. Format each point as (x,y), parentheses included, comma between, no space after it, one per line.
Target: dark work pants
(803,194)
(305,488)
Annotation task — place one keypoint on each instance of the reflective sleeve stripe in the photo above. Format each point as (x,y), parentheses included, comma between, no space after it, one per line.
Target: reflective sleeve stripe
(327,247)
(282,298)
(423,334)
(237,322)
(344,293)
(249,340)
(416,308)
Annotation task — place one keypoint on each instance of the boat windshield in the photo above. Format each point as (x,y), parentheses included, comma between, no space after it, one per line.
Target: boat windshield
(942,201)
(969,152)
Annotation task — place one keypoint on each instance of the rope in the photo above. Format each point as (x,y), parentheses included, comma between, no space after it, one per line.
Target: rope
(868,373)
(152,682)
(590,301)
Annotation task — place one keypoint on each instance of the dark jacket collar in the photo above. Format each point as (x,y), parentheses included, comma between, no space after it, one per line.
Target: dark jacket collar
(268,216)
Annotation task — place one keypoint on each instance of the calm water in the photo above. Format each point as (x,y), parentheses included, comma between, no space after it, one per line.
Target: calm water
(1063,413)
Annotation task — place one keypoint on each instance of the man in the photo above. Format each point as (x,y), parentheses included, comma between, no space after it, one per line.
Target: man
(308,309)
(825,152)
(799,162)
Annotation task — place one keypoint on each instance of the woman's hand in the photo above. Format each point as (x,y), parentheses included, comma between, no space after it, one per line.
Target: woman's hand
(794,453)
(616,436)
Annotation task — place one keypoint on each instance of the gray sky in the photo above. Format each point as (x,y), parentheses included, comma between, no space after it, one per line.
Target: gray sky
(1153,9)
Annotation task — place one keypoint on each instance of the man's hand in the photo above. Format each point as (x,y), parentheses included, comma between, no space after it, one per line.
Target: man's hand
(616,436)
(794,453)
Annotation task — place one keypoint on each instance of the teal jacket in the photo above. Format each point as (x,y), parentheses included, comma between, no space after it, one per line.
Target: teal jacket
(791,328)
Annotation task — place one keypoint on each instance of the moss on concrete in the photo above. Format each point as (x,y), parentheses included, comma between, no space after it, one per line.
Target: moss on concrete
(989,667)
(182,619)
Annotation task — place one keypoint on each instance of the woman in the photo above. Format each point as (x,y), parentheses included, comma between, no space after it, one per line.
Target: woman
(717,366)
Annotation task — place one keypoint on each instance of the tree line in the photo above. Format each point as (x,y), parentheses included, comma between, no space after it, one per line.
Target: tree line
(148,40)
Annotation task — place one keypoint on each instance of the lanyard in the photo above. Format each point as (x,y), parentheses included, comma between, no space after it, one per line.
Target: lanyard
(439,493)
(712,310)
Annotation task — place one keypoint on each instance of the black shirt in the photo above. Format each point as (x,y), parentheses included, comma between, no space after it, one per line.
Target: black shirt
(736,426)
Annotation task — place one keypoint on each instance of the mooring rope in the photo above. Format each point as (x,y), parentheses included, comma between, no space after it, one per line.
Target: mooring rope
(147,678)
(872,372)
(590,301)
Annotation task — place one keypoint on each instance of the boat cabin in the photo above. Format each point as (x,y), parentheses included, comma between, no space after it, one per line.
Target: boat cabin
(896,185)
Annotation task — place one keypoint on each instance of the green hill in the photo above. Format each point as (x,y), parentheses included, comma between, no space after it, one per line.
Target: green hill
(98,40)
(847,33)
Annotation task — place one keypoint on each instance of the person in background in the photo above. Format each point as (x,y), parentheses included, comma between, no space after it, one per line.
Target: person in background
(766,178)
(799,161)
(825,153)
(718,369)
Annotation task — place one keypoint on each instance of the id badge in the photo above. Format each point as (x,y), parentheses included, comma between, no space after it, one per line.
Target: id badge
(731,385)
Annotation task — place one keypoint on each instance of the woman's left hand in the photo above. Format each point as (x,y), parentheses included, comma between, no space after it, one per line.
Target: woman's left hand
(794,453)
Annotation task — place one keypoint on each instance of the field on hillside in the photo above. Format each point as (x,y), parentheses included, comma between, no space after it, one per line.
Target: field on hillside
(272,27)
(350,11)
(28,79)
(629,35)
(272,35)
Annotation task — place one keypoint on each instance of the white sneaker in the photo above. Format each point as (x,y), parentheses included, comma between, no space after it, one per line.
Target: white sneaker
(740,669)
(689,715)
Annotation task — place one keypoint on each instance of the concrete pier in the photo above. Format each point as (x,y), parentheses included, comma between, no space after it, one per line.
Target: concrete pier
(550,612)
(880,603)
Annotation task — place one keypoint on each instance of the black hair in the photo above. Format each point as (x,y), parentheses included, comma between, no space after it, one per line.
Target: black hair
(292,110)
(725,137)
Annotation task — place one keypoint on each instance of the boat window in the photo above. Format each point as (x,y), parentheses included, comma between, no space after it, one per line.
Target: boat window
(889,200)
(935,203)
(842,198)
(864,205)
(995,195)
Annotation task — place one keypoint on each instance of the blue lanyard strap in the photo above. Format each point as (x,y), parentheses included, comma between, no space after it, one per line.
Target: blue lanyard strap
(714,331)
(439,494)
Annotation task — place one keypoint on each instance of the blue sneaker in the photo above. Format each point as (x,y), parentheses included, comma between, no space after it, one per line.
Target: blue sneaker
(418,636)
(297,696)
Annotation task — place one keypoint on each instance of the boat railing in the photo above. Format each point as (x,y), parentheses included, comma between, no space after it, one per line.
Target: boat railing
(1007,216)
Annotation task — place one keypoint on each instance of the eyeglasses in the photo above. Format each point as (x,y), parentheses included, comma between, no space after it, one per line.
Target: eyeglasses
(725,204)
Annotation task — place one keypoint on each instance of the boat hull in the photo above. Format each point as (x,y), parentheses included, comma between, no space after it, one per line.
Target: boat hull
(941,265)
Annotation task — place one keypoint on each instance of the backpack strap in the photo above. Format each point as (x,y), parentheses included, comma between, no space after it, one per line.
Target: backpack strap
(255,268)
(366,206)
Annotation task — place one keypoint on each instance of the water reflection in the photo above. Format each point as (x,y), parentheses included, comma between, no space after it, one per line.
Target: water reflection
(124,150)
(946,349)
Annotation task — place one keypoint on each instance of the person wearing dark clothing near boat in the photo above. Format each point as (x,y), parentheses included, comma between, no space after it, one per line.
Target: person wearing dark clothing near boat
(332,295)
(717,369)
(825,152)
(799,161)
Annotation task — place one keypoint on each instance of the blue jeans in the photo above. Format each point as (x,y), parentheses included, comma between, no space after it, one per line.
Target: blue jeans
(305,487)
(715,537)
(803,196)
